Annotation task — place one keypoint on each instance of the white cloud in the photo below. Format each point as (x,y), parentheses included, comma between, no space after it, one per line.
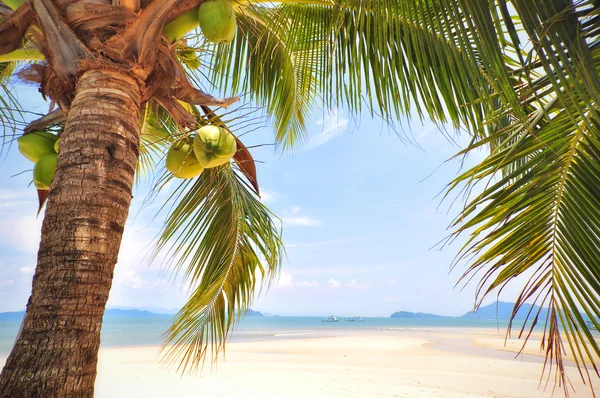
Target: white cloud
(132,279)
(268,196)
(389,281)
(20,229)
(300,222)
(21,233)
(293,218)
(28,270)
(17,197)
(324,269)
(12,203)
(425,131)
(285,281)
(136,244)
(332,283)
(7,282)
(354,285)
(309,284)
(325,242)
(333,125)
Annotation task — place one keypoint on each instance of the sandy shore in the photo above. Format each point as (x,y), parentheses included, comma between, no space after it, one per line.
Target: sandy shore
(435,363)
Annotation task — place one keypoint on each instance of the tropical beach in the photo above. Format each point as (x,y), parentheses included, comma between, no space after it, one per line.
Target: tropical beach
(303,357)
(299,198)
(344,363)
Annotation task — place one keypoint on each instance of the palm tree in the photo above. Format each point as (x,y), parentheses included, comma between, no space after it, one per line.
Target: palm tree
(519,76)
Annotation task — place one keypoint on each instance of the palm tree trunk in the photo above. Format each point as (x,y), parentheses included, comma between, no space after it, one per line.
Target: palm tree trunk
(56,352)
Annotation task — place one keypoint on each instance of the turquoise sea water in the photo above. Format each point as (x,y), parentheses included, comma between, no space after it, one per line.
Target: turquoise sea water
(123,332)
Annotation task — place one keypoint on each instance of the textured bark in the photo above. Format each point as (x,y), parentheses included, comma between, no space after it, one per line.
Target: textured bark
(56,352)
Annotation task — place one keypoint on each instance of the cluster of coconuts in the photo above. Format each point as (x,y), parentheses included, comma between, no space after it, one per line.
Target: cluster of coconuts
(41,147)
(215,17)
(211,146)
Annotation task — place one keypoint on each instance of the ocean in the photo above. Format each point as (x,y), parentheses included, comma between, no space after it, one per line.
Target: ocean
(130,332)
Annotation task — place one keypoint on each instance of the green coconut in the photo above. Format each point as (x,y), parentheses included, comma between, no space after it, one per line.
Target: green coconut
(37,144)
(181,25)
(57,145)
(43,171)
(214,146)
(181,160)
(217,21)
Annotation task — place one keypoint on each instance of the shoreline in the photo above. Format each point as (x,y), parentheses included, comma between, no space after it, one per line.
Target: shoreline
(251,335)
(488,339)
(339,363)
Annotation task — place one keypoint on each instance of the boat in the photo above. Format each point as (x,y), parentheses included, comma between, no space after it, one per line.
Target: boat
(330,318)
(355,318)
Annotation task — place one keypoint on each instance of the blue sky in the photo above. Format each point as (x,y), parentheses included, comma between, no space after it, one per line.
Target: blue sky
(361,212)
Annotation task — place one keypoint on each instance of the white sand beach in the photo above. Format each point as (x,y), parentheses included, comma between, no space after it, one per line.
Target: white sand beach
(428,363)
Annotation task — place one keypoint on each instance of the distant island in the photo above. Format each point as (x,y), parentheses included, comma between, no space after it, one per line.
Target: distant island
(499,310)
(420,315)
(113,313)
(268,314)
(504,310)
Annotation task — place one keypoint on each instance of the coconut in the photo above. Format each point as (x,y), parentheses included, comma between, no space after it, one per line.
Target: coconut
(181,25)
(214,146)
(181,160)
(43,171)
(37,144)
(217,21)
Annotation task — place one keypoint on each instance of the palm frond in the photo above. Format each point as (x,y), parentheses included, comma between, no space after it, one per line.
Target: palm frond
(223,238)
(538,212)
(269,62)
(392,57)
(10,109)
(158,131)
(11,112)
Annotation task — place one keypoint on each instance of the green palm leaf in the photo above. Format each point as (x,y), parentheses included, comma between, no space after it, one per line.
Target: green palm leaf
(11,112)
(158,131)
(539,207)
(388,56)
(267,61)
(224,240)
(9,106)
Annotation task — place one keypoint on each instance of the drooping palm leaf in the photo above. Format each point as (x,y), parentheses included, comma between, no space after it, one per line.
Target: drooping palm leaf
(223,239)
(538,212)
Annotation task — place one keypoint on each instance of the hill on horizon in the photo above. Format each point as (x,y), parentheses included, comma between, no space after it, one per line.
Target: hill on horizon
(114,313)
(498,310)
(503,310)
(420,315)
